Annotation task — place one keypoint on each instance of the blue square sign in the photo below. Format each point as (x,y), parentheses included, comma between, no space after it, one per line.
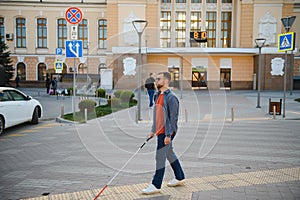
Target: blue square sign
(58,51)
(73,48)
(286,42)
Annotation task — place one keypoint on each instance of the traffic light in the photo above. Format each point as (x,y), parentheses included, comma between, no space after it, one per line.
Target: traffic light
(199,36)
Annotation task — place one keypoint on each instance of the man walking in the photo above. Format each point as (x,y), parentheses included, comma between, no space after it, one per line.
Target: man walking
(150,88)
(165,117)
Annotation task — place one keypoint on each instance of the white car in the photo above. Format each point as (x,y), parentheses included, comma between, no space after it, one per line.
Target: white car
(16,108)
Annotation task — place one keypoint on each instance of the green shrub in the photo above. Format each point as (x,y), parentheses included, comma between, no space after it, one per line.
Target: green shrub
(70,91)
(114,102)
(117,93)
(126,96)
(87,104)
(297,99)
(100,93)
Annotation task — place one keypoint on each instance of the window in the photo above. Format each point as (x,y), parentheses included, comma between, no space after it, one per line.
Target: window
(226,29)
(165,29)
(41,72)
(102,33)
(21,32)
(211,1)
(195,21)
(166,1)
(226,1)
(83,33)
(180,25)
(211,19)
(2,31)
(41,33)
(196,1)
(21,70)
(180,1)
(61,33)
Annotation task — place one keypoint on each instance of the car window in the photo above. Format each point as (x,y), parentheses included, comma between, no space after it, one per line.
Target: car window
(16,95)
(4,96)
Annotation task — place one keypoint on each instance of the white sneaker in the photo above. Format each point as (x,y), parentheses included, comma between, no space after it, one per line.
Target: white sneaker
(175,182)
(151,189)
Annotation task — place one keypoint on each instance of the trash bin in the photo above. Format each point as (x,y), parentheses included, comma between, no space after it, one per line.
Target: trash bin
(277,105)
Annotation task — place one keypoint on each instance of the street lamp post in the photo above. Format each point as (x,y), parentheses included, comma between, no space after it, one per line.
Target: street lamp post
(139,26)
(259,43)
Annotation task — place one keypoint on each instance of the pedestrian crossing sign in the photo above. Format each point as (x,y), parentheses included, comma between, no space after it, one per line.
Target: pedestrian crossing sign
(286,42)
(58,66)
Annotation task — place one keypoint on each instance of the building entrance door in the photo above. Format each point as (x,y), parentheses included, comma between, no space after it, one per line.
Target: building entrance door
(174,71)
(225,78)
(199,79)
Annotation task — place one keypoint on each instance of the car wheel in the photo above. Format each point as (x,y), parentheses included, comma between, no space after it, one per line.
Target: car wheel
(35,116)
(1,125)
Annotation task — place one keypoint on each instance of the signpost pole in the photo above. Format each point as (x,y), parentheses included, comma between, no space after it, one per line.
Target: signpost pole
(74,85)
(284,85)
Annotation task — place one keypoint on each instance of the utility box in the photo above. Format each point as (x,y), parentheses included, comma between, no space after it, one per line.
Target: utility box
(277,104)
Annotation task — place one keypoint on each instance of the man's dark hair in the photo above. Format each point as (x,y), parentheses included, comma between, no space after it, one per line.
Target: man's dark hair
(150,74)
(167,75)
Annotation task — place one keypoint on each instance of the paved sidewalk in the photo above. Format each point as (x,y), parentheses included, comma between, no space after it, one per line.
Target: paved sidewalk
(251,157)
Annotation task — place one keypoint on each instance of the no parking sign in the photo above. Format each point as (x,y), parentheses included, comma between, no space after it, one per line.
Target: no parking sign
(73,15)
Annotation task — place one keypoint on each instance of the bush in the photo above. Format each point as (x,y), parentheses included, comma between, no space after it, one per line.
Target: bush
(100,93)
(126,96)
(70,91)
(117,93)
(297,99)
(114,102)
(87,104)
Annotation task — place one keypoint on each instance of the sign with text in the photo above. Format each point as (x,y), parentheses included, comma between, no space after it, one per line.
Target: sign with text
(199,36)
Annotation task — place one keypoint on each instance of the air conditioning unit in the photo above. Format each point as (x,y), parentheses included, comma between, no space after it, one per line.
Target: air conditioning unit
(9,36)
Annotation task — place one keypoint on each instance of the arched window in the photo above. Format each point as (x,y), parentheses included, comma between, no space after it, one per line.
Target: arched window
(41,72)
(82,68)
(21,70)
(21,32)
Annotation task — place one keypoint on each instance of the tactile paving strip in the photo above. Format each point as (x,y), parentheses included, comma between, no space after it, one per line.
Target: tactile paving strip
(209,183)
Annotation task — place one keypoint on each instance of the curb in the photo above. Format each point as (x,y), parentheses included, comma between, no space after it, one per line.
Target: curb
(62,120)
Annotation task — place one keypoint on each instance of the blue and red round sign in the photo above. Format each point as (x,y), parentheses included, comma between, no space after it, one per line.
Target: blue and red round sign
(73,15)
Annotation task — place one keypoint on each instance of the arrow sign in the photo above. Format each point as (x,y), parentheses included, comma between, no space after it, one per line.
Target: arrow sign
(286,42)
(73,48)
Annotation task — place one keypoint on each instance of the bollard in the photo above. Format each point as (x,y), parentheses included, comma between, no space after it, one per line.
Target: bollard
(39,93)
(186,115)
(85,115)
(274,112)
(136,117)
(232,114)
(62,111)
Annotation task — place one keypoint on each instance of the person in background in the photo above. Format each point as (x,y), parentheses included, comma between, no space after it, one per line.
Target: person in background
(48,84)
(150,88)
(54,85)
(17,80)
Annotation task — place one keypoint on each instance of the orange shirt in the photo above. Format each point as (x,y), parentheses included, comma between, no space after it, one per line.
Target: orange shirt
(160,124)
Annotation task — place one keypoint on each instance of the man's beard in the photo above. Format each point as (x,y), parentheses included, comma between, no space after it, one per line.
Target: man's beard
(159,86)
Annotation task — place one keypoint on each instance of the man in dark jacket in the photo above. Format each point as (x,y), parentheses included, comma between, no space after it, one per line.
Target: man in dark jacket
(150,88)
(165,118)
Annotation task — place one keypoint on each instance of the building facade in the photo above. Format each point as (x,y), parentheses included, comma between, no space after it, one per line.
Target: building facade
(229,59)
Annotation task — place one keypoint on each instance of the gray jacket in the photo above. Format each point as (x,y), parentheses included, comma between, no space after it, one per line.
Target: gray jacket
(171,109)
